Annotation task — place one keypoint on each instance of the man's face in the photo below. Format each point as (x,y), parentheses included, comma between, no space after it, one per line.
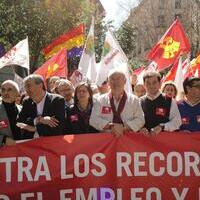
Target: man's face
(51,84)
(9,93)
(33,89)
(66,91)
(117,82)
(194,90)
(139,90)
(152,85)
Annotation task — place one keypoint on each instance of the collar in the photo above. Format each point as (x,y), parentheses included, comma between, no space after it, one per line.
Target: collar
(70,102)
(8,104)
(43,99)
(111,95)
(155,97)
(192,105)
(86,110)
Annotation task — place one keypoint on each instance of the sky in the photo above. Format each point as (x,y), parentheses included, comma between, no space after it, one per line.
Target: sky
(118,10)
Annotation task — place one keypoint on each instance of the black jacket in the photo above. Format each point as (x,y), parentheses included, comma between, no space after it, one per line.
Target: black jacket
(77,121)
(54,106)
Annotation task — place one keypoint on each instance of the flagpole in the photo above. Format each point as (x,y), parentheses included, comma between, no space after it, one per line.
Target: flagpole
(28,57)
(13,69)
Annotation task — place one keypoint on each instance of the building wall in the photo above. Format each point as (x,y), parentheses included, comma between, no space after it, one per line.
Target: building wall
(153,17)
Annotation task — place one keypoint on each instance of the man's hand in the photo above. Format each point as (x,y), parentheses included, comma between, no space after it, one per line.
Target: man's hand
(9,141)
(50,121)
(117,129)
(108,126)
(144,131)
(26,127)
(156,130)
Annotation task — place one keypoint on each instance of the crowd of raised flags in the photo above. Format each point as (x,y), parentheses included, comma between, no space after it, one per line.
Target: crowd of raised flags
(168,53)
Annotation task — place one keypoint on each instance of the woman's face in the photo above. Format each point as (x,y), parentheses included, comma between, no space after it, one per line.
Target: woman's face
(66,91)
(82,93)
(9,93)
(170,91)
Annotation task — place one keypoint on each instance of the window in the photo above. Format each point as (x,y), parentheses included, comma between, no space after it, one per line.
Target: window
(161,4)
(161,21)
(177,4)
(178,16)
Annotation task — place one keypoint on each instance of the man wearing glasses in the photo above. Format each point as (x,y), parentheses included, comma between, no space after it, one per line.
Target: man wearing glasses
(9,110)
(190,107)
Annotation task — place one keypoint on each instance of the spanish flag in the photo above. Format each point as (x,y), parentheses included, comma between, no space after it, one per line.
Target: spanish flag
(173,43)
(55,66)
(69,40)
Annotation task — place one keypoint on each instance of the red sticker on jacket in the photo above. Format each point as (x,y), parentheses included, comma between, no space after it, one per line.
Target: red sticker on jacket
(185,120)
(161,111)
(106,110)
(3,124)
(73,118)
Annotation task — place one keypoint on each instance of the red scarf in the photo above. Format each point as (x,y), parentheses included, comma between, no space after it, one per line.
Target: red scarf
(117,113)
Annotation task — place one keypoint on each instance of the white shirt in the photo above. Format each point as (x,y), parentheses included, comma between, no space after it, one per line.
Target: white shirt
(40,105)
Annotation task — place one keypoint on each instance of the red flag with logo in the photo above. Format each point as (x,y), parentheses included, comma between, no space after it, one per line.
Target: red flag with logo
(173,43)
(56,66)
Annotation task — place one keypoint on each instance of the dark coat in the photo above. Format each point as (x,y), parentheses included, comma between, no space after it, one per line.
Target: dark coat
(54,106)
(77,121)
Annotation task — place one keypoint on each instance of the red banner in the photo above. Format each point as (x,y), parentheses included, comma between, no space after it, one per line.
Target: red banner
(102,167)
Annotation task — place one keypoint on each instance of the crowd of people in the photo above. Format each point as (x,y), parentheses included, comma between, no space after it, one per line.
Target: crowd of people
(64,109)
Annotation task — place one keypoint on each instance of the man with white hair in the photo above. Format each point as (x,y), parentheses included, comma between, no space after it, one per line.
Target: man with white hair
(9,132)
(117,111)
(66,89)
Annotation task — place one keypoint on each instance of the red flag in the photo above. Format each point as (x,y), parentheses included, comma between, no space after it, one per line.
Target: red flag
(139,70)
(170,76)
(194,66)
(56,66)
(173,43)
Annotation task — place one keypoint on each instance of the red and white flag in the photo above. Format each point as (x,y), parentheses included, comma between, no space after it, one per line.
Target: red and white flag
(18,55)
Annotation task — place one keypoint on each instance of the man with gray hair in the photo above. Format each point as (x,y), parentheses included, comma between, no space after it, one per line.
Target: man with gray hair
(117,111)
(66,89)
(43,110)
(9,132)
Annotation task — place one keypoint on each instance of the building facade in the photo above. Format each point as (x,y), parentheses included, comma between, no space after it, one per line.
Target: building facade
(151,19)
